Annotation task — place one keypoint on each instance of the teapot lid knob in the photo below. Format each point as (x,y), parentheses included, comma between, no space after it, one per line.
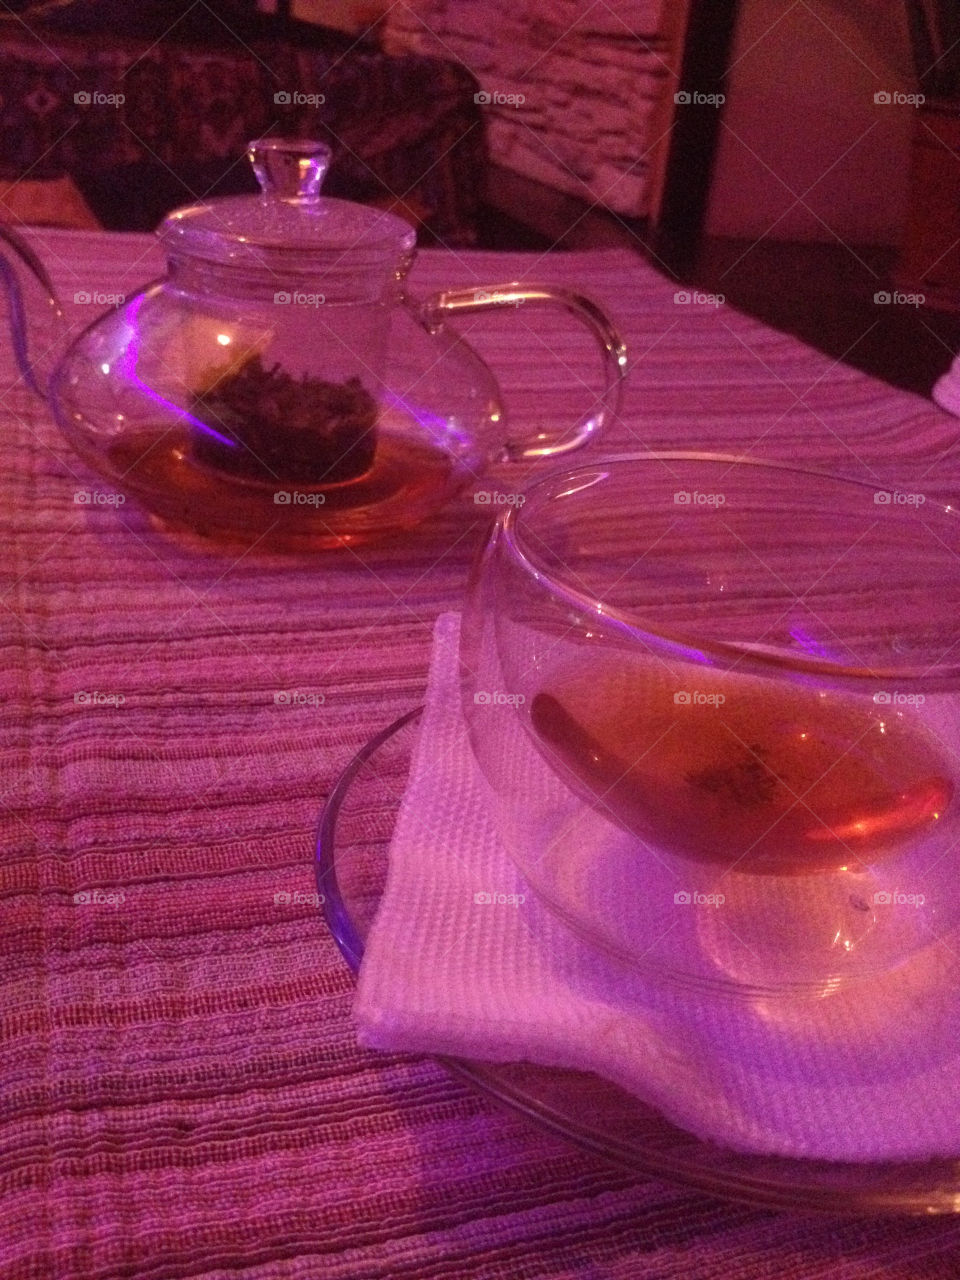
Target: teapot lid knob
(289,168)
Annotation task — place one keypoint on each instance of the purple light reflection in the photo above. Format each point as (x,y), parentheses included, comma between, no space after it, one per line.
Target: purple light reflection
(127,365)
(438,428)
(672,648)
(808,644)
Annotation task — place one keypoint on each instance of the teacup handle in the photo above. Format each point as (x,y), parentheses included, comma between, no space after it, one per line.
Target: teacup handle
(612,348)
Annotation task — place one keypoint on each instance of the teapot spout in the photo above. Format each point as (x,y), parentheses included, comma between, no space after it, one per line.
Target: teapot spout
(38,327)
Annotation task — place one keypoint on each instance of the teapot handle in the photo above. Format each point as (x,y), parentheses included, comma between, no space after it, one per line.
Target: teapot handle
(34,311)
(452,302)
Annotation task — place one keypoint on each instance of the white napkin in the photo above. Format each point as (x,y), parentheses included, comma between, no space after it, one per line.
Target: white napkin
(462,960)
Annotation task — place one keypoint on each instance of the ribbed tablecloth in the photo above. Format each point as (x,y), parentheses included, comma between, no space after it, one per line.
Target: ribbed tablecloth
(182,1094)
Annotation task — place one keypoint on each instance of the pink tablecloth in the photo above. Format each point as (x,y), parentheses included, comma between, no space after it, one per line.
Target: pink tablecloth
(182,1094)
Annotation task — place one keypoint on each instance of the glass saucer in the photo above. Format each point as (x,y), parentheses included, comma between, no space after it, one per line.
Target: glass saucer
(353,840)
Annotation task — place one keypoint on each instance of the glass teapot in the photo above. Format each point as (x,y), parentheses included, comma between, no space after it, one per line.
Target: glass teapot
(278,387)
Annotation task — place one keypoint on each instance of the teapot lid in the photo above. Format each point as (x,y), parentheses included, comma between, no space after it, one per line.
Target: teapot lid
(289,222)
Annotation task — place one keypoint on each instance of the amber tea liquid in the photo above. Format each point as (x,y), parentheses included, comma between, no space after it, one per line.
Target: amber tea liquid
(771,780)
(408,480)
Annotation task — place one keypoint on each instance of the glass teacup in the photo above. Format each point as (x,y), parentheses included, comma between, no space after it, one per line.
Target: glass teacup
(716,701)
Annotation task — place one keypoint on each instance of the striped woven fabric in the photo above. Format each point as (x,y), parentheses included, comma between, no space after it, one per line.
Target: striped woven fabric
(182,1093)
